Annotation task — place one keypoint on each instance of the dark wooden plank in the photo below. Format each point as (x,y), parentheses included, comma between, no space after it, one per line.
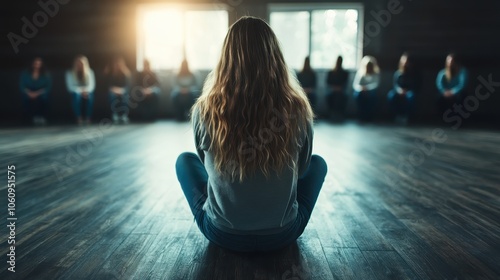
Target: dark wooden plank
(122,214)
(127,257)
(461,261)
(388,265)
(418,254)
(90,262)
(164,252)
(363,230)
(348,263)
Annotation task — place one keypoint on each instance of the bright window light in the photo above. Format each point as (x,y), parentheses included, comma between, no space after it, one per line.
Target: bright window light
(292,29)
(322,32)
(205,33)
(167,34)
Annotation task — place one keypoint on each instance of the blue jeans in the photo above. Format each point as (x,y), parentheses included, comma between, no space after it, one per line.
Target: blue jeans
(183,102)
(76,102)
(193,179)
(35,107)
(119,103)
(366,102)
(337,101)
(401,105)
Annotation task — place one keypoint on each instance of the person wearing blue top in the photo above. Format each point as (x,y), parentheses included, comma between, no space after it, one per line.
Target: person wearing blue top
(406,83)
(80,82)
(365,86)
(307,79)
(254,182)
(35,84)
(184,92)
(451,83)
(119,82)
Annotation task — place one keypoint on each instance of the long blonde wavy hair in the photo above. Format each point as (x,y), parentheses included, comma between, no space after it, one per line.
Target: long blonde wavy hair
(369,66)
(82,75)
(252,106)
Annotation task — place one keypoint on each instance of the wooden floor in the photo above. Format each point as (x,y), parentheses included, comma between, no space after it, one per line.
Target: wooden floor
(110,207)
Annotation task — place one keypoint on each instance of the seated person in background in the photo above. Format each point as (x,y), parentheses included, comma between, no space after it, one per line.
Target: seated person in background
(365,86)
(80,82)
(451,83)
(307,79)
(149,87)
(118,81)
(35,84)
(336,96)
(402,97)
(185,91)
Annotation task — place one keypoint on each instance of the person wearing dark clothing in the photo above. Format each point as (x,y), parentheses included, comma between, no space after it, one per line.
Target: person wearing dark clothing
(337,82)
(149,87)
(307,79)
(35,84)
(406,83)
(119,81)
(185,92)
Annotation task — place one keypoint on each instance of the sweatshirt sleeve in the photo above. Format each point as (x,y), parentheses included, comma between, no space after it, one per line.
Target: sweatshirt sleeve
(91,85)
(356,83)
(71,83)
(397,88)
(439,81)
(305,151)
(462,81)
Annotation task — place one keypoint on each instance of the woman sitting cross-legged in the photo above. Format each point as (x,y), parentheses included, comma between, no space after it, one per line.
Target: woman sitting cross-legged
(254,183)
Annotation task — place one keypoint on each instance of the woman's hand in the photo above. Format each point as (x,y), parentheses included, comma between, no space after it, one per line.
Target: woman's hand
(117,90)
(33,94)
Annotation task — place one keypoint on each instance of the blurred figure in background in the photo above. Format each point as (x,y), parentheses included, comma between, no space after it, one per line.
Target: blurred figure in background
(118,81)
(336,96)
(406,83)
(185,91)
(365,86)
(307,79)
(451,82)
(80,82)
(35,84)
(147,82)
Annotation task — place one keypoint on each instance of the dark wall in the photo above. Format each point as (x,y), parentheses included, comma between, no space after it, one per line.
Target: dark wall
(102,29)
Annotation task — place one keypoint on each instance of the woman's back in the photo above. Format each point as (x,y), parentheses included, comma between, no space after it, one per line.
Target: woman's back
(254,179)
(258,203)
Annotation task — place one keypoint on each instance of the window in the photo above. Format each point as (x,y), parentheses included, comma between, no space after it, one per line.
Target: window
(166,34)
(321,32)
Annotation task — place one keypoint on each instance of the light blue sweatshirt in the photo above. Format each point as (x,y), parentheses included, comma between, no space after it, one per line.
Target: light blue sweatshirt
(369,81)
(258,205)
(75,86)
(456,85)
